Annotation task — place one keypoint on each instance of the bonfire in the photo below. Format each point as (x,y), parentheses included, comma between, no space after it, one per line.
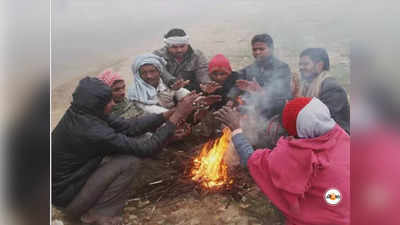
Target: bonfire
(210,169)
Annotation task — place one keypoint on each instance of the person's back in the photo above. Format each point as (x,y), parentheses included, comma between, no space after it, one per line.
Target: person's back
(95,156)
(85,134)
(313,169)
(72,134)
(307,175)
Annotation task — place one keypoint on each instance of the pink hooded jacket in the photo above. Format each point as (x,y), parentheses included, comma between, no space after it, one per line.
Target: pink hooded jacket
(298,174)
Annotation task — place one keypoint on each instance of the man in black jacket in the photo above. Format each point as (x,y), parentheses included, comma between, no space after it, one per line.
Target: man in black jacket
(94,155)
(267,79)
(317,82)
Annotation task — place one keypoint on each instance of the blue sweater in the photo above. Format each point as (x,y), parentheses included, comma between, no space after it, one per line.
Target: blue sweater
(243,147)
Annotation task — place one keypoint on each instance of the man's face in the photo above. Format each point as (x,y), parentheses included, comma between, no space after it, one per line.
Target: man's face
(178,51)
(109,106)
(308,68)
(150,75)
(118,91)
(219,76)
(260,49)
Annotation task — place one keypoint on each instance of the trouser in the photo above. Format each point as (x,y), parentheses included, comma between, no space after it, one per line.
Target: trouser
(107,189)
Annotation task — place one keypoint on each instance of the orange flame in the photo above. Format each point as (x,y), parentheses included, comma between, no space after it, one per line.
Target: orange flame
(240,100)
(209,167)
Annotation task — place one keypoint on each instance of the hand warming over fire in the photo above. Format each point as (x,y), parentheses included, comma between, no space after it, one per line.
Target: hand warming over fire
(228,116)
(205,101)
(179,84)
(184,108)
(249,86)
(210,87)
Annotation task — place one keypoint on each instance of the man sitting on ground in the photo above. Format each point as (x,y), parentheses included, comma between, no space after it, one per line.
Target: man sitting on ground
(84,184)
(183,62)
(307,175)
(317,82)
(267,79)
(123,107)
(151,94)
(148,89)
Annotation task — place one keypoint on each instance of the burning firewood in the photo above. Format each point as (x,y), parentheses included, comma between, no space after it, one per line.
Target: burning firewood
(176,179)
(209,169)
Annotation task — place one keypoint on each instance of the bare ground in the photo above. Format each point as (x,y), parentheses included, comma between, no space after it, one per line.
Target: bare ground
(164,194)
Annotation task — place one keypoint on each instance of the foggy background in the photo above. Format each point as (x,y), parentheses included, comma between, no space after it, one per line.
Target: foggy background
(90,34)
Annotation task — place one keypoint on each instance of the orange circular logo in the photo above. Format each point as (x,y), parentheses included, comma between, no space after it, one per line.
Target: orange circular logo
(333,196)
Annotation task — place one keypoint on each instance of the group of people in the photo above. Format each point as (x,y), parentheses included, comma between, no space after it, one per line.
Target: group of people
(98,143)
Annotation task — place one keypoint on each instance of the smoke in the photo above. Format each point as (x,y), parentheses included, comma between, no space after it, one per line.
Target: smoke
(84,31)
(262,113)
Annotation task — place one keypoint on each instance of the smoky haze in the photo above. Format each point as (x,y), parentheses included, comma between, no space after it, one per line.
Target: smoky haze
(88,35)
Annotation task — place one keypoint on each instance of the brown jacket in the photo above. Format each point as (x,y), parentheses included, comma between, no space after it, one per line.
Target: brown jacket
(194,67)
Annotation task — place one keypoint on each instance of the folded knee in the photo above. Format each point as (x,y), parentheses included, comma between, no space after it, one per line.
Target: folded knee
(126,162)
(134,162)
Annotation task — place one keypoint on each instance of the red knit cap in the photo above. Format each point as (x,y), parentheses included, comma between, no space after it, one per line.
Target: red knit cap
(219,62)
(290,112)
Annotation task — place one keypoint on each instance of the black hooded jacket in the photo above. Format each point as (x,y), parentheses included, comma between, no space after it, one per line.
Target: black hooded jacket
(85,135)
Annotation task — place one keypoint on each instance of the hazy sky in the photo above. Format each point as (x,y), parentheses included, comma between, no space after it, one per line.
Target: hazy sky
(90,32)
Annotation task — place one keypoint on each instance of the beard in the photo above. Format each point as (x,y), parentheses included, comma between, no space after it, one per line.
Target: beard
(308,76)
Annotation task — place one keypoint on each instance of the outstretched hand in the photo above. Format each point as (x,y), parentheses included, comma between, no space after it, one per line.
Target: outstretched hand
(210,87)
(179,84)
(186,105)
(249,86)
(205,101)
(184,108)
(228,116)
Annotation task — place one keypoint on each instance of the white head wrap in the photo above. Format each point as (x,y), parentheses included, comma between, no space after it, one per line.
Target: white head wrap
(176,40)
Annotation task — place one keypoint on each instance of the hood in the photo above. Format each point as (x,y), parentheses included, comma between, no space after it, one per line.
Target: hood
(325,141)
(91,96)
